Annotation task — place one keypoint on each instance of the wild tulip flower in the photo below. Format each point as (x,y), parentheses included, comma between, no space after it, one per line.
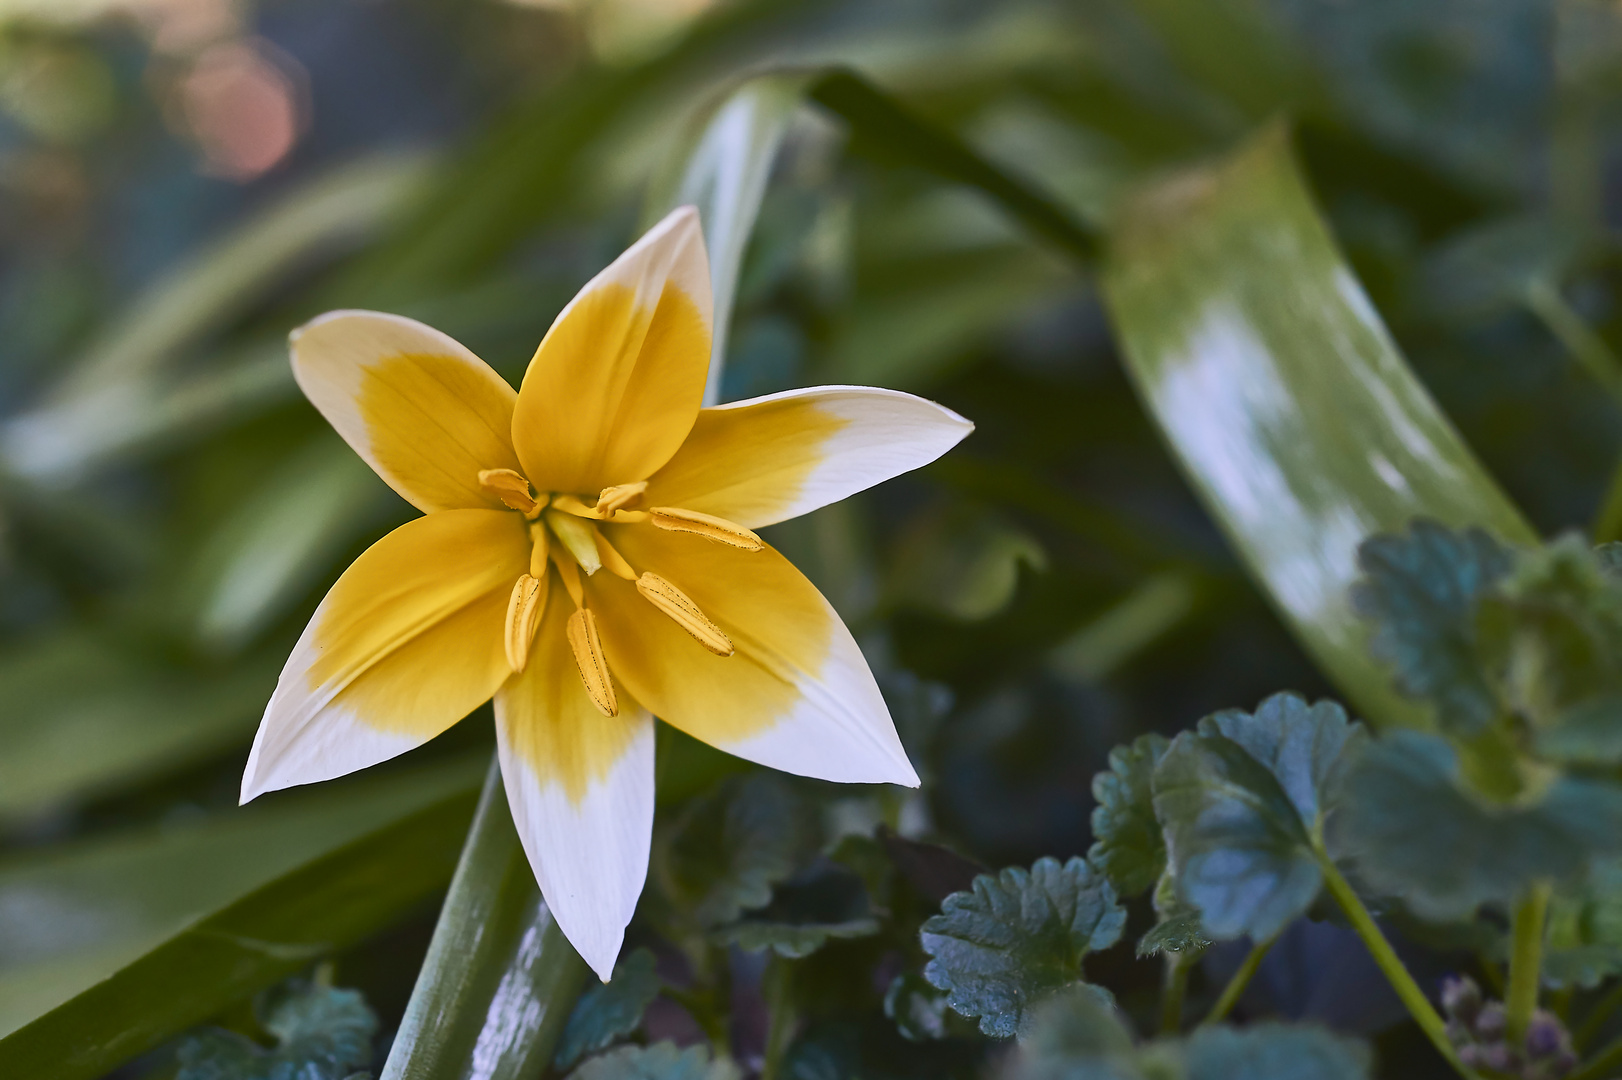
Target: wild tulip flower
(586,555)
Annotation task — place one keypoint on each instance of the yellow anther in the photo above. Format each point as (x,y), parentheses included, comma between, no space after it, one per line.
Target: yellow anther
(613,561)
(619,497)
(708,526)
(569,571)
(578,537)
(684,613)
(523,612)
(588,657)
(513,491)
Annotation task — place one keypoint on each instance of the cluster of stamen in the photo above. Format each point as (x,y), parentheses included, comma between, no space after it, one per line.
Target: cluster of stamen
(565,537)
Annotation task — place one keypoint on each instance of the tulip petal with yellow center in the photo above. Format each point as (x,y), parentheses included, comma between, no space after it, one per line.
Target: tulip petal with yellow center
(772,458)
(618,380)
(796,694)
(581,789)
(417,405)
(408,642)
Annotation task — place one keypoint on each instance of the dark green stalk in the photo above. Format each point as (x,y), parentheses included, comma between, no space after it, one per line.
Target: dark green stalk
(1603,1065)
(884,126)
(1545,301)
(1596,1016)
(1236,985)
(1173,992)
(499,975)
(1526,962)
(775,988)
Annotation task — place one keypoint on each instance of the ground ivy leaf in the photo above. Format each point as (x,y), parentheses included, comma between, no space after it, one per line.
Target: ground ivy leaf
(1583,942)
(732,846)
(1274,1051)
(920,1011)
(1416,833)
(1179,932)
(1128,847)
(1017,935)
(791,940)
(1419,591)
(1551,636)
(1609,558)
(1078,1035)
(828,900)
(608,1011)
(661,1061)
(1589,733)
(322,1033)
(1240,800)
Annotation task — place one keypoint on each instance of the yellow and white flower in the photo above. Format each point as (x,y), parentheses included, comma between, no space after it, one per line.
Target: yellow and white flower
(586,556)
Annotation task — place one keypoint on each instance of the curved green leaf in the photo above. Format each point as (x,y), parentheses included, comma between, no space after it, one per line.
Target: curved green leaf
(1283,395)
(324,904)
(500,978)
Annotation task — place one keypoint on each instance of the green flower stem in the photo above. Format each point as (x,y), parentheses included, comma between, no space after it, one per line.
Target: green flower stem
(1603,1065)
(1173,992)
(1596,1016)
(1526,961)
(1608,519)
(781,1018)
(1543,299)
(1418,1005)
(1236,985)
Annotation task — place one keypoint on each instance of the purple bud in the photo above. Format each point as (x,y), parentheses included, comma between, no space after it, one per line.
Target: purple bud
(1472,1055)
(1498,1057)
(1461,997)
(1544,1036)
(1491,1021)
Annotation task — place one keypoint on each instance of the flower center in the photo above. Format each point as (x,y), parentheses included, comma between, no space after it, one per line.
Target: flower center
(568,540)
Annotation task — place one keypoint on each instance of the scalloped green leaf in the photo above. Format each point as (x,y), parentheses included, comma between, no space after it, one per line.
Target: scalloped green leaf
(1275,1052)
(321,1032)
(1128,847)
(1419,592)
(1416,831)
(1583,938)
(732,846)
(609,1011)
(1080,1036)
(1018,935)
(1552,641)
(1241,800)
(661,1061)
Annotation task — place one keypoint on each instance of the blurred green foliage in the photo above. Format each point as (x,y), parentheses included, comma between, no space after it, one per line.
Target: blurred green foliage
(1043,223)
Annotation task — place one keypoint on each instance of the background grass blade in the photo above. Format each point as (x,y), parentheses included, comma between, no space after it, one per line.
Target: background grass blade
(1283,395)
(500,978)
(722,168)
(887,130)
(330,901)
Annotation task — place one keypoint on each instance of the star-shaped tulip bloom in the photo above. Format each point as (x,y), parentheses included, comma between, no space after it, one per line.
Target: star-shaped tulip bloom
(586,556)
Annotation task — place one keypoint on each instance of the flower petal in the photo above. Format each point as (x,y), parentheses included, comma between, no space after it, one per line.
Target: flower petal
(616,383)
(406,643)
(773,458)
(796,694)
(580,785)
(414,403)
